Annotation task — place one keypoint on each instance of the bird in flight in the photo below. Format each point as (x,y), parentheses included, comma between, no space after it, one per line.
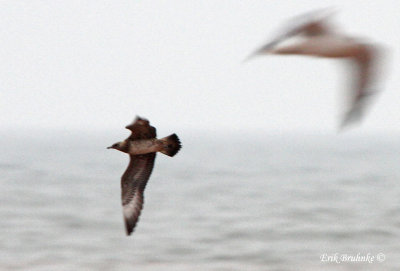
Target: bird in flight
(318,39)
(142,146)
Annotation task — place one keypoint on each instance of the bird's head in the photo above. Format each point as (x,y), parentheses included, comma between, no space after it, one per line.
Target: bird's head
(121,146)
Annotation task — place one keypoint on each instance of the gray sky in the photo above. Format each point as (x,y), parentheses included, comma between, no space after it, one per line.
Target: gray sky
(96,64)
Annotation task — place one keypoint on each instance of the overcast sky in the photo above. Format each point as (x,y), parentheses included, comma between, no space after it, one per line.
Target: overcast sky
(97,64)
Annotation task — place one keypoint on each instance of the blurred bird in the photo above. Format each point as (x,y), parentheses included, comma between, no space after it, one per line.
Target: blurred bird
(142,146)
(319,40)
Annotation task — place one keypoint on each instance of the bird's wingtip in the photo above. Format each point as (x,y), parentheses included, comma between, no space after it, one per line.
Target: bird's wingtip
(128,227)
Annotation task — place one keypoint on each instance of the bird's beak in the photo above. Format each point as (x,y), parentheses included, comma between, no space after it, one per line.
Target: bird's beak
(109,147)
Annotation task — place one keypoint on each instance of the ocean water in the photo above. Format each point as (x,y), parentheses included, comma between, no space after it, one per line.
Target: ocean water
(233,202)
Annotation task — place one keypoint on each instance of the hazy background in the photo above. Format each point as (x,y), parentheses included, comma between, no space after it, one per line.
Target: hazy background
(273,190)
(96,64)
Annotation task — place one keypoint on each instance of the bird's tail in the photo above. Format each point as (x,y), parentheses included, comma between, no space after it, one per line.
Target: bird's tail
(171,145)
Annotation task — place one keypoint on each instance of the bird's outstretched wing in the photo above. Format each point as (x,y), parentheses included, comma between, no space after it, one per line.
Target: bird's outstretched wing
(265,48)
(305,23)
(363,93)
(141,129)
(134,180)
(133,183)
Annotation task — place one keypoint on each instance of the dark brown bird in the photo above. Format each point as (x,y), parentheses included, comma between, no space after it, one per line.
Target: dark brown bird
(141,146)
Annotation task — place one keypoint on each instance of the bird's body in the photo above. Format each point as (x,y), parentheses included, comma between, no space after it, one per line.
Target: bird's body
(142,147)
(331,46)
(145,146)
(317,39)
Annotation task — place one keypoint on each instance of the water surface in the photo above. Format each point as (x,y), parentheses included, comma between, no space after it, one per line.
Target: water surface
(223,203)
